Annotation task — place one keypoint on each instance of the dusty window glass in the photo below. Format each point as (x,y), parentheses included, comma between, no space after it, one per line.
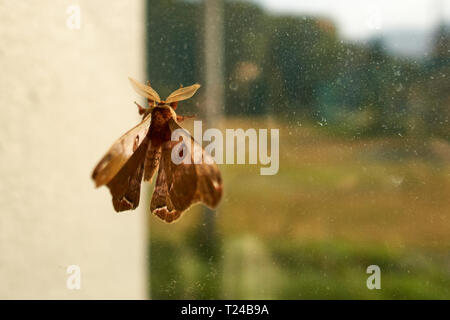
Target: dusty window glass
(360,94)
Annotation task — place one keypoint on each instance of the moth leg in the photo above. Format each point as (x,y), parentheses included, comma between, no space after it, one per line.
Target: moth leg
(182,118)
(141,108)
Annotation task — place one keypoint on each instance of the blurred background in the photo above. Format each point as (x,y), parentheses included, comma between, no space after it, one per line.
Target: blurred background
(359,90)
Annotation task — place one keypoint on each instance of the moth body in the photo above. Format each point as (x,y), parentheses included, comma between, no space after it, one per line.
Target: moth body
(159,128)
(146,149)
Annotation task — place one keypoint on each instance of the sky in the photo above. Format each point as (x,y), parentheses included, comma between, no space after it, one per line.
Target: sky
(362,19)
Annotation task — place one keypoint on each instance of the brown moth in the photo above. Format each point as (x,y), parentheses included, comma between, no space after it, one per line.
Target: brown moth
(148,147)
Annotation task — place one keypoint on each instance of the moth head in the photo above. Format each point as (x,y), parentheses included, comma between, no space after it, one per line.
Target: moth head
(153,99)
(168,107)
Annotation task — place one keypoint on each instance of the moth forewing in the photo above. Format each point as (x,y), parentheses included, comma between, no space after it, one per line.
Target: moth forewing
(144,90)
(125,187)
(119,153)
(182,93)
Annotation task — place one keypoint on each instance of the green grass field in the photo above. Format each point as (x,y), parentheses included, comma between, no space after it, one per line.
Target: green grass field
(336,206)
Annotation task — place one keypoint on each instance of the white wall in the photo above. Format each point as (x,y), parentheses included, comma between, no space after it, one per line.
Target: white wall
(64,98)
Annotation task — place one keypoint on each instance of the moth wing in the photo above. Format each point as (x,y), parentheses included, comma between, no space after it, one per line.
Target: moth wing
(161,205)
(187,183)
(119,153)
(144,90)
(182,93)
(125,187)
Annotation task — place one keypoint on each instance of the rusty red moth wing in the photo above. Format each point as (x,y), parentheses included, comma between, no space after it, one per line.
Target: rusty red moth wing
(125,187)
(120,152)
(182,185)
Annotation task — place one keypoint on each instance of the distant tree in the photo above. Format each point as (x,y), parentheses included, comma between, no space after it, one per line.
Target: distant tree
(245,45)
(173,41)
(292,66)
(302,55)
(437,84)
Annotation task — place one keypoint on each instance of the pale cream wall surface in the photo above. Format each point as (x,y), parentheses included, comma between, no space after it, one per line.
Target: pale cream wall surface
(64,98)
